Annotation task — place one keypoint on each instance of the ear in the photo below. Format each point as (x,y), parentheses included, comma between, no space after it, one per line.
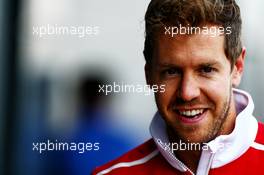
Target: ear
(238,68)
(148,74)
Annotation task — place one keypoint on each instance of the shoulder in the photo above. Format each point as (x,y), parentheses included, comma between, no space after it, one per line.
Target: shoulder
(138,156)
(259,141)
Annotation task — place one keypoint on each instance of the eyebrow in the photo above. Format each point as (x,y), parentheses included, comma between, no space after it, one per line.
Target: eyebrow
(213,63)
(203,64)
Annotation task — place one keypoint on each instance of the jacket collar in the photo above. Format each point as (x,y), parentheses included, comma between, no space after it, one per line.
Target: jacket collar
(224,148)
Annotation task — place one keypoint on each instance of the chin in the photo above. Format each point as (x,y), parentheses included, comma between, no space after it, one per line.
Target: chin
(193,135)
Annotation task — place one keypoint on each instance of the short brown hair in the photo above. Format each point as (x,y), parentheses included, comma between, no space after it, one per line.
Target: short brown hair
(225,13)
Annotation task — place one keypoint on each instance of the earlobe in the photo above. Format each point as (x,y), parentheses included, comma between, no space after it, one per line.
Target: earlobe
(238,68)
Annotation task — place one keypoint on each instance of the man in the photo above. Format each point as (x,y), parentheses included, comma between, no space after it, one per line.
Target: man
(203,124)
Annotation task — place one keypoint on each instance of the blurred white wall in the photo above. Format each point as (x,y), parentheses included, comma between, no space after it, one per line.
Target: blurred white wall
(253,37)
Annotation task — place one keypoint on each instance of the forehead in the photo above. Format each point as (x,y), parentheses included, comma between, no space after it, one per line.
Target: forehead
(189,49)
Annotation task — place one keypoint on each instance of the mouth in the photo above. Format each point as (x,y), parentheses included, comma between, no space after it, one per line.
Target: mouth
(190,116)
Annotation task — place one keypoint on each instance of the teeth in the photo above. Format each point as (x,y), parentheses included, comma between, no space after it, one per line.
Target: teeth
(191,112)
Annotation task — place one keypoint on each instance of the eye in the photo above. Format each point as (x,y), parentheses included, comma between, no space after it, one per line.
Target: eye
(207,69)
(171,72)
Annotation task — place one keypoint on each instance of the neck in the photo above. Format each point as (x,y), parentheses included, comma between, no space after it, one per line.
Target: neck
(188,156)
(229,123)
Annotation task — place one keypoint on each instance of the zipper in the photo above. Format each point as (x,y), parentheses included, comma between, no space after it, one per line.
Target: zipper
(181,164)
(192,173)
(177,160)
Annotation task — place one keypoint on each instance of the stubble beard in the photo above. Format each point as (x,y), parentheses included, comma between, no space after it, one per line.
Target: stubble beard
(215,128)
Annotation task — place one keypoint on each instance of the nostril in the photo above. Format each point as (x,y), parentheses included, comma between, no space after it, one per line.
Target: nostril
(188,94)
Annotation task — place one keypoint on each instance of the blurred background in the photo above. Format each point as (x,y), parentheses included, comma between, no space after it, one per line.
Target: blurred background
(48,83)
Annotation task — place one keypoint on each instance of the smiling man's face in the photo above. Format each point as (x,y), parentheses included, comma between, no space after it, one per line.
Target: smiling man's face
(197,104)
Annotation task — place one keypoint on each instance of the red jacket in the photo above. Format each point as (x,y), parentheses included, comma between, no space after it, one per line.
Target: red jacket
(146,160)
(240,159)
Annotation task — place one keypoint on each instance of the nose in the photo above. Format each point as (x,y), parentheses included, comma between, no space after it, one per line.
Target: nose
(188,88)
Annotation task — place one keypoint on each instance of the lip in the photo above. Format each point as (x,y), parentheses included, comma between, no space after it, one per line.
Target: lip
(194,120)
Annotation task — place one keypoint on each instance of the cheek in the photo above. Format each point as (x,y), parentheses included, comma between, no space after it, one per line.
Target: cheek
(217,92)
(163,99)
